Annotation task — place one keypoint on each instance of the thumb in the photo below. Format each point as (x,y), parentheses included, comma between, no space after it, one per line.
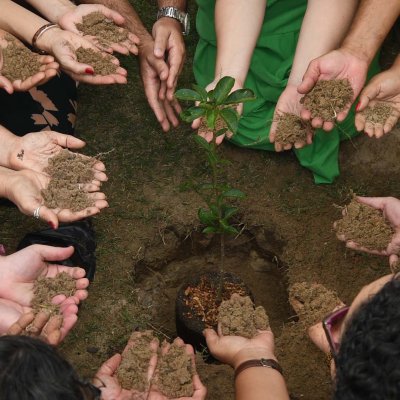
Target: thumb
(6,85)
(110,366)
(51,253)
(376,202)
(48,216)
(113,15)
(369,93)
(211,338)
(67,141)
(160,42)
(310,78)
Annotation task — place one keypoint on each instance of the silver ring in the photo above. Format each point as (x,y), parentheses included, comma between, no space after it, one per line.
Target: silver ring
(36,212)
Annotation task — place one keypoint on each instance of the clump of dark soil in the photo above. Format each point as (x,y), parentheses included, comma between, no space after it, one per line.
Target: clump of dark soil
(174,373)
(312,301)
(219,124)
(378,114)
(96,24)
(291,129)
(68,171)
(45,289)
(238,317)
(132,372)
(365,226)
(18,61)
(328,98)
(101,63)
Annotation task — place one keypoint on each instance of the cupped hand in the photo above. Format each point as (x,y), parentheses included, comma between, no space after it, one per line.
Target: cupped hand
(47,71)
(289,102)
(75,15)
(390,207)
(338,64)
(382,88)
(155,72)
(169,46)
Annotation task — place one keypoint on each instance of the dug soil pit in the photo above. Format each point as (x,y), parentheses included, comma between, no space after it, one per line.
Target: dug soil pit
(132,372)
(101,63)
(19,63)
(96,24)
(328,98)
(378,114)
(174,373)
(238,317)
(68,171)
(291,129)
(365,226)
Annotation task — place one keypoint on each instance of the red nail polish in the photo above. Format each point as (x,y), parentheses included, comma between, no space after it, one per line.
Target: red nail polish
(51,224)
(89,71)
(358,106)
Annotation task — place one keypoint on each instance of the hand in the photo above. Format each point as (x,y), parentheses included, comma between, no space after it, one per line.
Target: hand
(48,68)
(154,73)
(384,87)
(74,16)
(391,210)
(24,190)
(338,64)
(169,46)
(234,350)
(63,45)
(289,102)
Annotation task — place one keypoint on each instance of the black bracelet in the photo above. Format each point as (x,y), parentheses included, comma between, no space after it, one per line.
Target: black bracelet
(263,362)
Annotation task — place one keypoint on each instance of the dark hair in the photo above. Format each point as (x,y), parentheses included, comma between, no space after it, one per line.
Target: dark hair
(368,362)
(33,370)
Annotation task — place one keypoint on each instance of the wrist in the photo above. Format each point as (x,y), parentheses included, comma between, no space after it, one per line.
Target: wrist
(252,354)
(61,11)
(46,40)
(362,54)
(10,141)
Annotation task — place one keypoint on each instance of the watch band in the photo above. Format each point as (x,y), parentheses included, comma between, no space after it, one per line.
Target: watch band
(263,362)
(175,13)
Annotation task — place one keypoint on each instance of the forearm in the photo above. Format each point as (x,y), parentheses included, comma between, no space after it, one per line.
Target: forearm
(7,140)
(6,175)
(371,25)
(238,25)
(52,9)
(324,26)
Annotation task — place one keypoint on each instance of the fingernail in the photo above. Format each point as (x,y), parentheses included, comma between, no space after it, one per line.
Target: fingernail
(51,224)
(358,106)
(89,71)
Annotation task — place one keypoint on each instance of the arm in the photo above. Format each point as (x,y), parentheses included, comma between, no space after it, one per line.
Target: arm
(52,9)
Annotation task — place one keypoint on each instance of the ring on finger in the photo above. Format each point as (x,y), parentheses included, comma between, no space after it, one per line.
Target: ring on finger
(36,212)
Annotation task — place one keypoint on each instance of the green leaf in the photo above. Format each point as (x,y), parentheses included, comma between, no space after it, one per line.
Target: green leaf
(221,132)
(202,142)
(235,193)
(215,210)
(231,118)
(201,91)
(226,228)
(210,95)
(206,217)
(240,96)
(188,94)
(209,229)
(192,113)
(211,118)
(223,88)
(229,212)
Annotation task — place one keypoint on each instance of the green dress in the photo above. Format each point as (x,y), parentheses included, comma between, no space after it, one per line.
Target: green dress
(267,77)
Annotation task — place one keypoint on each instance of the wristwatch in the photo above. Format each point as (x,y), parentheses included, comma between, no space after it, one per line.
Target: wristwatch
(175,13)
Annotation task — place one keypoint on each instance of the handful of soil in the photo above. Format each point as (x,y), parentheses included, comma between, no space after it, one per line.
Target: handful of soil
(291,129)
(101,63)
(68,171)
(328,98)
(132,372)
(219,124)
(365,226)
(238,317)
(18,61)
(96,24)
(378,114)
(312,301)
(174,373)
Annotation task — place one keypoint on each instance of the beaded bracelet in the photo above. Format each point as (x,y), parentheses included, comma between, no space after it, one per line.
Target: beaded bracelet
(39,33)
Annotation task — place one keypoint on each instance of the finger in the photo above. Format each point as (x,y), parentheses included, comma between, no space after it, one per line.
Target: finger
(109,367)
(157,107)
(170,113)
(41,319)
(391,122)
(310,78)
(99,166)
(175,61)
(341,116)
(394,262)
(50,253)
(375,202)
(67,141)
(163,91)
(196,123)
(160,42)
(369,93)
(47,215)
(317,123)
(68,323)
(6,85)
(113,15)
(299,145)
(287,146)
(211,338)
(101,176)
(378,131)
(51,332)
(18,327)
(199,388)
(328,126)
(359,122)
(355,246)
(74,272)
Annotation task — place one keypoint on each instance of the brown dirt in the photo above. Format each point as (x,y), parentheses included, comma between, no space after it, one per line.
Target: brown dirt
(67,171)
(238,317)
(45,289)
(19,61)
(219,124)
(174,373)
(291,129)
(96,24)
(132,372)
(101,63)
(328,98)
(365,225)
(378,114)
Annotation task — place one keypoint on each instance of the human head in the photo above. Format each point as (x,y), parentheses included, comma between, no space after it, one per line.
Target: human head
(368,362)
(33,370)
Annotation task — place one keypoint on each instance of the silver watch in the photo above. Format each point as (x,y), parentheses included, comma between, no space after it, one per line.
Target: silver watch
(175,13)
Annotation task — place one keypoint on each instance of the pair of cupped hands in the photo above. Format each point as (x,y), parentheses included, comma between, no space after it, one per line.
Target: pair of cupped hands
(61,44)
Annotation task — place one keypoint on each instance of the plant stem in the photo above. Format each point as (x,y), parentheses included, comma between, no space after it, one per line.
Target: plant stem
(221,270)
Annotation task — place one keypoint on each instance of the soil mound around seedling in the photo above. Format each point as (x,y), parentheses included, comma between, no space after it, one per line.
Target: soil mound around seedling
(365,226)
(312,301)
(96,24)
(45,289)
(238,317)
(291,129)
(328,98)
(378,114)
(174,373)
(101,63)
(18,61)
(132,372)
(68,171)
